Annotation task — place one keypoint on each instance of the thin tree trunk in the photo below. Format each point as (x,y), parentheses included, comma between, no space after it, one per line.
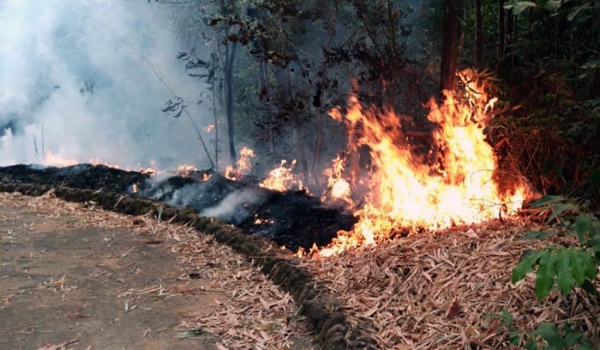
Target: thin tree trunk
(215,113)
(229,102)
(501,36)
(264,82)
(478,35)
(391,85)
(509,38)
(449,46)
(297,125)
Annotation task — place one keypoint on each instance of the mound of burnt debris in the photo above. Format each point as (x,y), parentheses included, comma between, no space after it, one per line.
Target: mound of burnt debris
(292,219)
(83,176)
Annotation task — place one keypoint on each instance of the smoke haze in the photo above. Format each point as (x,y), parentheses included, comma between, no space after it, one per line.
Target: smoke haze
(74,82)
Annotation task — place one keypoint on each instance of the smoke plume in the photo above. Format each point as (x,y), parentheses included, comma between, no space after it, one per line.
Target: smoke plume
(82,80)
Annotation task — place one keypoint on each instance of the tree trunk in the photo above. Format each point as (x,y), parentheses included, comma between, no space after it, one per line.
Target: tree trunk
(230,54)
(449,47)
(215,112)
(501,36)
(478,34)
(509,37)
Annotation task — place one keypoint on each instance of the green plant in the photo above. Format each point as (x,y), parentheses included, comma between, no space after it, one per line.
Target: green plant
(565,267)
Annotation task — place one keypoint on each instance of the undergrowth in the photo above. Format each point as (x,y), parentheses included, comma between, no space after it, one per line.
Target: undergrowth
(564,268)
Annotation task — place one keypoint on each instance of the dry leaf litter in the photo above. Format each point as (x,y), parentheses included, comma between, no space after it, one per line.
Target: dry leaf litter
(433,291)
(255,314)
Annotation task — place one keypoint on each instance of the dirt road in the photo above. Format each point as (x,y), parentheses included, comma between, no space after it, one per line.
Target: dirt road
(76,277)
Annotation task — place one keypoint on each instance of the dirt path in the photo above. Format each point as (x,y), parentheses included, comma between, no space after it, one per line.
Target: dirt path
(76,277)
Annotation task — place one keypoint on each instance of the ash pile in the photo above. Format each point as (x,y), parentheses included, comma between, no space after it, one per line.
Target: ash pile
(293,219)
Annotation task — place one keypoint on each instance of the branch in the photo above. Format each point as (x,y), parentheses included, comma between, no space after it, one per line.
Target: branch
(162,80)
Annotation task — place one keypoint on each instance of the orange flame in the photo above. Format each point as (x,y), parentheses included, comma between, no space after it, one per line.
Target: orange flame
(282,178)
(339,188)
(243,166)
(405,193)
(51,159)
(185,170)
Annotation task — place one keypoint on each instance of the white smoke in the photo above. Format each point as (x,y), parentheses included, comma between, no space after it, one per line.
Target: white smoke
(77,79)
(231,208)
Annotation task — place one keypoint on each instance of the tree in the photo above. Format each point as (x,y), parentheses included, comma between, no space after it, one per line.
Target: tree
(478,34)
(449,46)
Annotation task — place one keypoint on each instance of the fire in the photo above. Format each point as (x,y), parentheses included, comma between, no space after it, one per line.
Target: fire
(185,170)
(339,188)
(209,128)
(402,191)
(51,159)
(282,178)
(243,166)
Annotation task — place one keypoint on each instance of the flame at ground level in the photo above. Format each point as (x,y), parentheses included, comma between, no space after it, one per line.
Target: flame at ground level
(398,190)
(403,192)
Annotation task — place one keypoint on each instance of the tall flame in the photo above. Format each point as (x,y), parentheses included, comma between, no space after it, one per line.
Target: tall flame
(243,166)
(403,192)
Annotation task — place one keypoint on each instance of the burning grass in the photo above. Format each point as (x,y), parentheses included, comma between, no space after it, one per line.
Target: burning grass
(433,291)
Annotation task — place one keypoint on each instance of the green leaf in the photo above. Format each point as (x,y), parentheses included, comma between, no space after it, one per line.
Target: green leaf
(574,13)
(589,267)
(505,317)
(550,333)
(531,235)
(525,266)
(514,338)
(561,208)
(577,261)
(521,6)
(595,177)
(531,345)
(546,200)
(552,5)
(564,275)
(589,287)
(583,224)
(545,275)
(571,338)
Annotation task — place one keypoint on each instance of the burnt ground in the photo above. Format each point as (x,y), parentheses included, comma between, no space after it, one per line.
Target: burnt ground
(74,278)
(292,219)
(84,176)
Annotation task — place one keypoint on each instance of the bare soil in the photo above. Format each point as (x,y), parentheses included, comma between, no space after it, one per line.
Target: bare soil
(76,277)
